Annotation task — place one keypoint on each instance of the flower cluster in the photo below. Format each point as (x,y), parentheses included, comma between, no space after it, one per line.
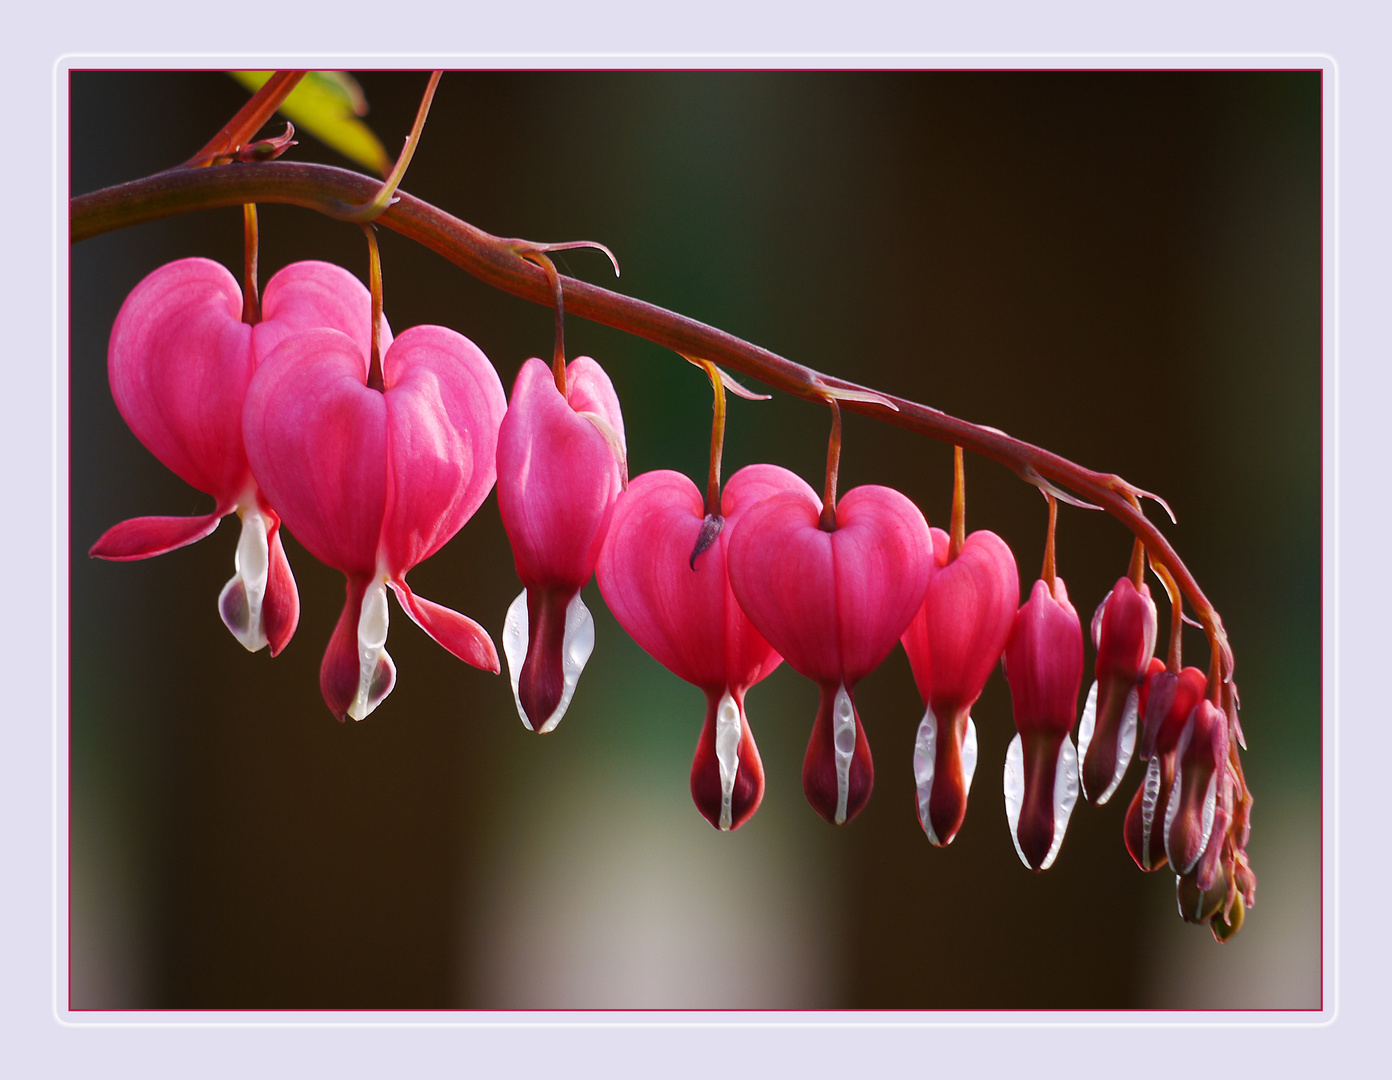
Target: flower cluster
(376,451)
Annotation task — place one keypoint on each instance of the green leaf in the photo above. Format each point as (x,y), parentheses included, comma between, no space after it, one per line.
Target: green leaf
(327,104)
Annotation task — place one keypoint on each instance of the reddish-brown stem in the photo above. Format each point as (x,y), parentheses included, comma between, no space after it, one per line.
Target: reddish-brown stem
(374,272)
(1136,571)
(501,263)
(379,202)
(717,440)
(251,253)
(249,118)
(828,519)
(1049,573)
(958,536)
(1175,658)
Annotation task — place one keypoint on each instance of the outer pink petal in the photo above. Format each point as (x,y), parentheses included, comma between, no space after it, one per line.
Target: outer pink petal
(312,295)
(1044,662)
(144,537)
(676,614)
(884,558)
(557,482)
(444,404)
(179,361)
(781,570)
(316,438)
(965,621)
(588,389)
(458,633)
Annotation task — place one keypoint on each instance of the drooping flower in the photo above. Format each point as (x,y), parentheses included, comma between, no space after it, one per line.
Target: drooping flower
(561,465)
(180,361)
(1123,631)
(1201,776)
(1166,700)
(375,482)
(953,644)
(833,604)
(1044,667)
(683,612)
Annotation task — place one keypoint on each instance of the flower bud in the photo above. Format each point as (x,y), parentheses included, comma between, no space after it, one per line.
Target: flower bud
(1167,699)
(1200,769)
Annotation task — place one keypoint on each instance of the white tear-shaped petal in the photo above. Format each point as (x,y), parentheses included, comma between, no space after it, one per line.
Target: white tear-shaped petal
(576,647)
(1210,803)
(969,756)
(1065,794)
(1126,741)
(242,597)
(1126,737)
(1088,723)
(843,740)
(1150,799)
(924,762)
(1015,790)
(376,672)
(729,730)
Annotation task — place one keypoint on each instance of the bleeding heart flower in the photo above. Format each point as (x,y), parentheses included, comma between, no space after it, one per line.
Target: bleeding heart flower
(1123,631)
(1044,667)
(180,362)
(1166,700)
(953,644)
(684,614)
(1201,775)
(561,465)
(833,604)
(374,482)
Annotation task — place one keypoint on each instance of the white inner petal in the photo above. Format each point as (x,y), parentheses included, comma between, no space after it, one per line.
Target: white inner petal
(924,759)
(728,732)
(515,647)
(576,647)
(843,737)
(372,640)
(1087,724)
(969,756)
(1065,796)
(1126,742)
(1015,790)
(242,597)
(1150,797)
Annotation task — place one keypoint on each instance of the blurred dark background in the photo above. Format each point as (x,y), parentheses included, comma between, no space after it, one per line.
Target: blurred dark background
(1121,266)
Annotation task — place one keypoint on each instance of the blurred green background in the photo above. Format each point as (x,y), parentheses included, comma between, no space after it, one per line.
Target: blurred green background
(1121,266)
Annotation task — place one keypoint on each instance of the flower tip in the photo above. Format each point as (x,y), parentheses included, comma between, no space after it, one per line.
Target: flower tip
(545,666)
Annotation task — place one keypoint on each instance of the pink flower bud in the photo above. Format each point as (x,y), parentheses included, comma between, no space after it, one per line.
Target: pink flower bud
(180,361)
(1166,700)
(373,483)
(1044,667)
(689,621)
(833,604)
(1123,630)
(1200,770)
(953,644)
(561,465)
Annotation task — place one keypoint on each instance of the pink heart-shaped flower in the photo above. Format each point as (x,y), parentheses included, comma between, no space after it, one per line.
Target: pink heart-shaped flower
(833,604)
(374,482)
(953,645)
(684,614)
(180,361)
